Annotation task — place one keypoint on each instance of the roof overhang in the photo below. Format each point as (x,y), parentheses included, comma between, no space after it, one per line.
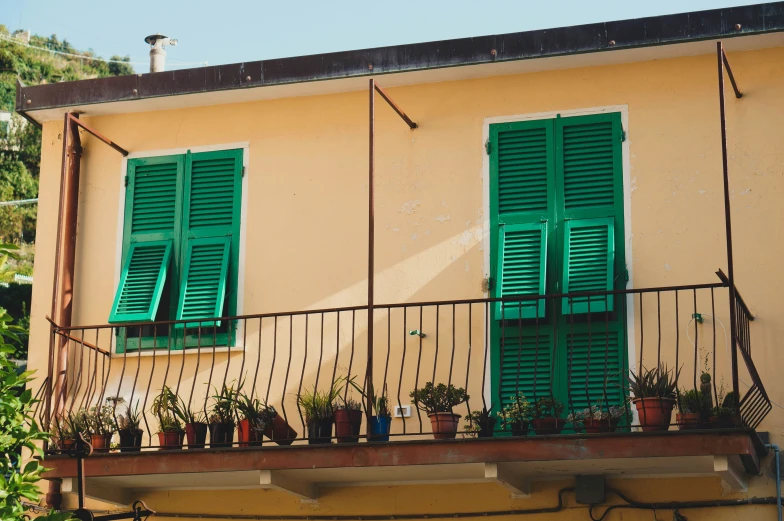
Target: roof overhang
(669,36)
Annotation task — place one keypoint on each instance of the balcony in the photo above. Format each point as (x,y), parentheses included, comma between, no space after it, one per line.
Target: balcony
(542,349)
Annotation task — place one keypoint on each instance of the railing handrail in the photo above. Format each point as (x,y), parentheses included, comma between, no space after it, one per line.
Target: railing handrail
(484,300)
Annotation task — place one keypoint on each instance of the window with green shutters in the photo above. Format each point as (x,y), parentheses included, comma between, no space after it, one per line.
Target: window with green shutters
(556,215)
(180,248)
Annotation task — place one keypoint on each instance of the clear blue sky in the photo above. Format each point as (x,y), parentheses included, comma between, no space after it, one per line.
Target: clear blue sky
(231,31)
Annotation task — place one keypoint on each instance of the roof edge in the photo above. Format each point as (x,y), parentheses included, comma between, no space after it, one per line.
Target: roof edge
(543,43)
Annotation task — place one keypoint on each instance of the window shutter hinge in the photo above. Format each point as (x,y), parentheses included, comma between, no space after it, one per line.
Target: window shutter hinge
(243,171)
(126,181)
(487,147)
(623,136)
(487,284)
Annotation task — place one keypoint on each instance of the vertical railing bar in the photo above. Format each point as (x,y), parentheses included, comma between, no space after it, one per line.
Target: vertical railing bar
(152,372)
(321,351)
(337,349)
(642,336)
(212,365)
(713,314)
(536,348)
(452,358)
(485,352)
(626,358)
(258,357)
(468,356)
(89,384)
(696,329)
(228,359)
(389,349)
(519,344)
(570,355)
(105,380)
(229,334)
(658,327)
(588,362)
(403,366)
(172,333)
(125,359)
(274,355)
(419,362)
(555,348)
(605,398)
(288,368)
(78,378)
(438,328)
(302,375)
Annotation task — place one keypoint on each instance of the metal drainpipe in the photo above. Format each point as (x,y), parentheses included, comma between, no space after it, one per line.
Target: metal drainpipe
(776,455)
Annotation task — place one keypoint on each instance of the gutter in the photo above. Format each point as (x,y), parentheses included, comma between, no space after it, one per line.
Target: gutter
(564,41)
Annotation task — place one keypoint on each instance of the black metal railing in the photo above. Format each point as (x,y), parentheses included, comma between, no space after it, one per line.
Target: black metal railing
(576,350)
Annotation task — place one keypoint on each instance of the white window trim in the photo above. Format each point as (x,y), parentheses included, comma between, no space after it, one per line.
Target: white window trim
(245,146)
(627,207)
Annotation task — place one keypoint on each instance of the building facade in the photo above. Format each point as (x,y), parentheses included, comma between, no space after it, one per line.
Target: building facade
(546,218)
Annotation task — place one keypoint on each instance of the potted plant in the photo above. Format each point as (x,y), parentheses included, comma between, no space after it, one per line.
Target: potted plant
(437,402)
(129,429)
(480,423)
(170,431)
(222,416)
(100,422)
(63,433)
(692,405)
(547,416)
(348,413)
(596,419)
(517,414)
(725,416)
(381,421)
(278,430)
(319,410)
(253,416)
(654,397)
(195,423)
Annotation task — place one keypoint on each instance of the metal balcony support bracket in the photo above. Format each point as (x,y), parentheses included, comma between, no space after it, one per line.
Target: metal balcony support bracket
(274,480)
(373,88)
(501,473)
(723,64)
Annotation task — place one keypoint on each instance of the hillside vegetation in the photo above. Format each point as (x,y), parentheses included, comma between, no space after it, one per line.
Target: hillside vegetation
(20,143)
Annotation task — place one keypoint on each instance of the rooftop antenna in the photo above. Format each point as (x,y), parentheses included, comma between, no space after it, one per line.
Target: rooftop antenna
(158,44)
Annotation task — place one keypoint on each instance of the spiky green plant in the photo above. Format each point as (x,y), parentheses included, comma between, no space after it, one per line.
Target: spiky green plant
(659,382)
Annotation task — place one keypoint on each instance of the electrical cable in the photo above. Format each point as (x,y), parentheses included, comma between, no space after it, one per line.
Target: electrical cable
(19,202)
(726,347)
(91,58)
(677,505)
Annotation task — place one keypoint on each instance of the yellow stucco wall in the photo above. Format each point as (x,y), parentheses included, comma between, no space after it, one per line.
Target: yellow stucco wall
(305,239)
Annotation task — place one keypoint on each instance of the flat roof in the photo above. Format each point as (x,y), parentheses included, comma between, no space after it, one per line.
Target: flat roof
(745,27)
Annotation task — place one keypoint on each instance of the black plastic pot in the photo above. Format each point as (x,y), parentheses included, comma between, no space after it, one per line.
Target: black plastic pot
(130,440)
(320,431)
(221,435)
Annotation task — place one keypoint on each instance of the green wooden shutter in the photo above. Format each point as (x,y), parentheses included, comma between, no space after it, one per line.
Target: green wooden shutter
(203,287)
(141,283)
(526,364)
(589,258)
(522,269)
(522,154)
(595,375)
(211,227)
(150,236)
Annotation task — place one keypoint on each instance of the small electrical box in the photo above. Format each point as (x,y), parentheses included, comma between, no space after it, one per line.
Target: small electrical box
(402,411)
(589,489)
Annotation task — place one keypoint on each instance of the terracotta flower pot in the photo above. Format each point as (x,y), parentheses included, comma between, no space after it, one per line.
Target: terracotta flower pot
(593,426)
(347,425)
(486,428)
(444,425)
(687,421)
(280,432)
(654,413)
(196,434)
(101,442)
(221,435)
(170,440)
(320,431)
(66,445)
(248,435)
(130,440)
(520,428)
(548,426)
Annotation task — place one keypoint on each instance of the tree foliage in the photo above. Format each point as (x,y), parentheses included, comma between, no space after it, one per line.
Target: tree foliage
(20,143)
(19,476)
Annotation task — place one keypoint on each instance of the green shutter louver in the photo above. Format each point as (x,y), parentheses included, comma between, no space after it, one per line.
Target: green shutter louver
(589,259)
(150,236)
(203,287)
(522,269)
(526,364)
(594,366)
(590,158)
(524,159)
(141,282)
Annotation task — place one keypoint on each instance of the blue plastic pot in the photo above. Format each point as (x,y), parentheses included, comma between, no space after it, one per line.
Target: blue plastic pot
(379,428)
